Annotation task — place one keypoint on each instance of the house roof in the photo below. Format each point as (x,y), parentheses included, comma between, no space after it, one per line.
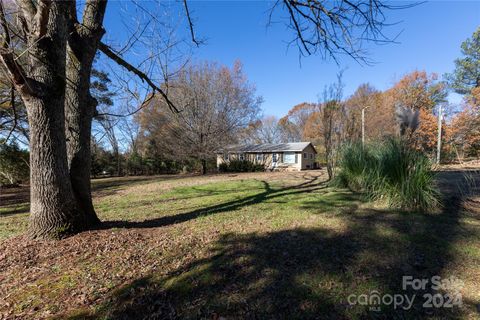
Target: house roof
(267,147)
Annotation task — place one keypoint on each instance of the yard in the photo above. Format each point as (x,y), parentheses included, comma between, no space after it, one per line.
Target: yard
(241,246)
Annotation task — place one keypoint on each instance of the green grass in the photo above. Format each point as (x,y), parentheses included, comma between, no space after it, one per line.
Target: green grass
(269,247)
(13,219)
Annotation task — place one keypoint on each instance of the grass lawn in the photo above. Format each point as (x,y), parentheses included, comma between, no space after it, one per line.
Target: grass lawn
(243,246)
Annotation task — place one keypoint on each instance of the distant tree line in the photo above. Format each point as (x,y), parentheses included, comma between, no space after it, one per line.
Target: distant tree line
(218,106)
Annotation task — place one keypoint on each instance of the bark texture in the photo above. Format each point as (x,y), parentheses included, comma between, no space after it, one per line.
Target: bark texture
(53,206)
(79,104)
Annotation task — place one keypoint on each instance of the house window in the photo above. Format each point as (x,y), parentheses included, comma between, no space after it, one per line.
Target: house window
(241,156)
(225,156)
(311,156)
(289,157)
(259,157)
(274,157)
(304,155)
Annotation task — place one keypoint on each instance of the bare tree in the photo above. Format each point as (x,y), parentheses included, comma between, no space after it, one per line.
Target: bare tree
(293,125)
(269,130)
(332,114)
(13,115)
(52,76)
(216,103)
(265,130)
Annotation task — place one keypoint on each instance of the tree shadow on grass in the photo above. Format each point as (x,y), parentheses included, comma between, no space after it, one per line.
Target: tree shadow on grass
(311,184)
(290,274)
(14,209)
(306,273)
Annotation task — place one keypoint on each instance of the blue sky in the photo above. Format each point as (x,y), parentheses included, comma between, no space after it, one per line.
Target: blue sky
(430,39)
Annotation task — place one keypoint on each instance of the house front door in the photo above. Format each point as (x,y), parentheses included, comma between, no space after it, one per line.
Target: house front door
(274,159)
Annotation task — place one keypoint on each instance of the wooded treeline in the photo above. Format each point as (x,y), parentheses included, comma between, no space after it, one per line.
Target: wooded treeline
(417,91)
(221,107)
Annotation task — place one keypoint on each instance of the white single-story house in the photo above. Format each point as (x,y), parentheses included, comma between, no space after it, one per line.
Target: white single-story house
(293,156)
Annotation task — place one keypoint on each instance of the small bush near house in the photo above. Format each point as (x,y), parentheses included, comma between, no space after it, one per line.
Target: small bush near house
(223,167)
(240,166)
(391,172)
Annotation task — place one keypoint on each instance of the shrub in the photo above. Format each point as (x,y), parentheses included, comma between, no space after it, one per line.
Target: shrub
(392,172)
(223,167)
(240,166)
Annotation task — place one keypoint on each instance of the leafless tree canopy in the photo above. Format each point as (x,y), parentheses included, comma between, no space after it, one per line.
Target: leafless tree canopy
(269,130)
(335,27)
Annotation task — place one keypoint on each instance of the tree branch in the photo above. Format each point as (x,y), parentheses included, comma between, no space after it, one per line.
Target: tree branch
(15,71)
(338,27)
(119,60)
(93,15)
(15,117)
(4,24)
(297,27)
(190,23)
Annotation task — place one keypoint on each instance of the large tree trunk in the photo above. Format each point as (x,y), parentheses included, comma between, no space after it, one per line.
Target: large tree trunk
(79,121)
(79,104)
(53,211)
(79,108)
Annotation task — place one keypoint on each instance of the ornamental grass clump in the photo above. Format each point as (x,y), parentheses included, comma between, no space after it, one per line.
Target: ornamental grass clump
(391,172)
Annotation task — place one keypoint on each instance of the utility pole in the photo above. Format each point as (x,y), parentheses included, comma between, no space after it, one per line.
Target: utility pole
(439,137)
(363,125)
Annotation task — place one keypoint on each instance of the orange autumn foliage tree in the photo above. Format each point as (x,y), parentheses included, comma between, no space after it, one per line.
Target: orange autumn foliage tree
(419,90)
(465,132)
(474,98)
(313,127)
(426,136)
(465,80)
(423,92)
